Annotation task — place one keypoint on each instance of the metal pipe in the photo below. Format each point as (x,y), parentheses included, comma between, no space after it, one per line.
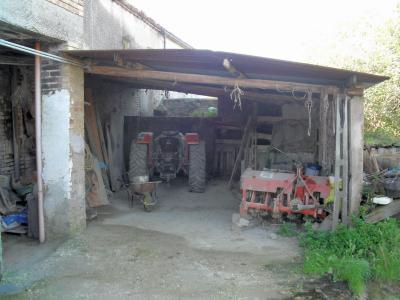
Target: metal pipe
(38,129)
(38,53)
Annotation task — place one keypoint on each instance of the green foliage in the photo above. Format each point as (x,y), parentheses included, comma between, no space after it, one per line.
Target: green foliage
(204,114)
(374,48)
(287,229)
(355,254)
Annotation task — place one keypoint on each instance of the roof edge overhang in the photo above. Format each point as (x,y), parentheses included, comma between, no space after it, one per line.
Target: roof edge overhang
(221,69)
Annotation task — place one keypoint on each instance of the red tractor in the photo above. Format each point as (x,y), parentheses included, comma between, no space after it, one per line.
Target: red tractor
(168,154)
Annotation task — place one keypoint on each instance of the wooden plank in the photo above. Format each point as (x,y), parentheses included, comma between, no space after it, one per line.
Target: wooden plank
(372,154)
(228,141)
(269,119)
(113,180)
(264,136)
(91,126)
(338,163)
(104,150)
(204,79)
(382,212)
(101,136)
(96,194)
(93,134)
(229,127)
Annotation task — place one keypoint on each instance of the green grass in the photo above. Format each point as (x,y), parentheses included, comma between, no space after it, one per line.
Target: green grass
(287,229)
(355,255)
(380,138)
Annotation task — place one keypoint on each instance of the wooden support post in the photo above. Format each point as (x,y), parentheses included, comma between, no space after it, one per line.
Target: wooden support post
(338,160)
(345,163)
(356,143)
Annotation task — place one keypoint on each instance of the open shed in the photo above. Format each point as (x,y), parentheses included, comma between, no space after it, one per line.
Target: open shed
(313,114)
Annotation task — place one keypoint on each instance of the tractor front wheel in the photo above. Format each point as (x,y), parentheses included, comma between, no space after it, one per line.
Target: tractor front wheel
(137,161)
(197,167)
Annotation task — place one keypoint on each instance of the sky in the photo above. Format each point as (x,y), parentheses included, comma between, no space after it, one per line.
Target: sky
(282,29)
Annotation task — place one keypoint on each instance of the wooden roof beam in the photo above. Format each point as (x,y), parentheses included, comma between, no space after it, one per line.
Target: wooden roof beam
(206,90)
(206,79)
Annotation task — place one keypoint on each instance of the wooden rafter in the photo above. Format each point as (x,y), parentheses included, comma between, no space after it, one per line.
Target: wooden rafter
(205,79)
(205,90)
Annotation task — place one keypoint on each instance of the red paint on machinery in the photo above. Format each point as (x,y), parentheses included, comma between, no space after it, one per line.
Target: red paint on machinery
(277,193)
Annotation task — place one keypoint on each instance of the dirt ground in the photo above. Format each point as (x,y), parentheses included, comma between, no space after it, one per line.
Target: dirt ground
(184,249)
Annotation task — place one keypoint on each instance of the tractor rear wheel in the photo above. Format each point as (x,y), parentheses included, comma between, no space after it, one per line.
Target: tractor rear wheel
(197,167)
(137,161)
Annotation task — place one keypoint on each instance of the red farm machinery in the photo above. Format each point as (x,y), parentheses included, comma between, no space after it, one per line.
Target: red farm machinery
(278,194)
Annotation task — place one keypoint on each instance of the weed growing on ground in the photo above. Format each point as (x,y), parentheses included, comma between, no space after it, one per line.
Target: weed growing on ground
(287,229)
(356,254)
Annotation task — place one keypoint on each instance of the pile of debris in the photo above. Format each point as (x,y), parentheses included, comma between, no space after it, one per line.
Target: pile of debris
(18,204)
(381,188)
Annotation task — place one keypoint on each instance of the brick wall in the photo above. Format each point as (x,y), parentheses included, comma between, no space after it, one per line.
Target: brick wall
(74,6)
(51,76)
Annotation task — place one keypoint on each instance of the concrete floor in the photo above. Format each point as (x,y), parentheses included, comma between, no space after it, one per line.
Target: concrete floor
(184,249)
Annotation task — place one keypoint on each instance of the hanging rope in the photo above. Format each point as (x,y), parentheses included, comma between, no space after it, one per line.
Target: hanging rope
(236,95)
(325,106)
(308,104)
(299,98)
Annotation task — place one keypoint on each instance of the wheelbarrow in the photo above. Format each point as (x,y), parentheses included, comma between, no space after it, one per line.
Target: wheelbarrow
(145,192)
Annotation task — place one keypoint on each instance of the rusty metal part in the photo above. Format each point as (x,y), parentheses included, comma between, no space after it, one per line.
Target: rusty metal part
(278,193)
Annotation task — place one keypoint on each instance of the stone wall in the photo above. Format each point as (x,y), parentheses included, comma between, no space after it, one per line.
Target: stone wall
(44,19)
(74,6)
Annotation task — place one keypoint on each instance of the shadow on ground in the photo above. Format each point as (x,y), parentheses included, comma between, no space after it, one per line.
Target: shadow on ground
(184,249)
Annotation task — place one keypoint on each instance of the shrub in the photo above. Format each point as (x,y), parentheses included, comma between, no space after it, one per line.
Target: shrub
(354,254)
(287,229)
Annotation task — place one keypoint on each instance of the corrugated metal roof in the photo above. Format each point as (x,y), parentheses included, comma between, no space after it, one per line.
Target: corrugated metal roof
(206,62)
